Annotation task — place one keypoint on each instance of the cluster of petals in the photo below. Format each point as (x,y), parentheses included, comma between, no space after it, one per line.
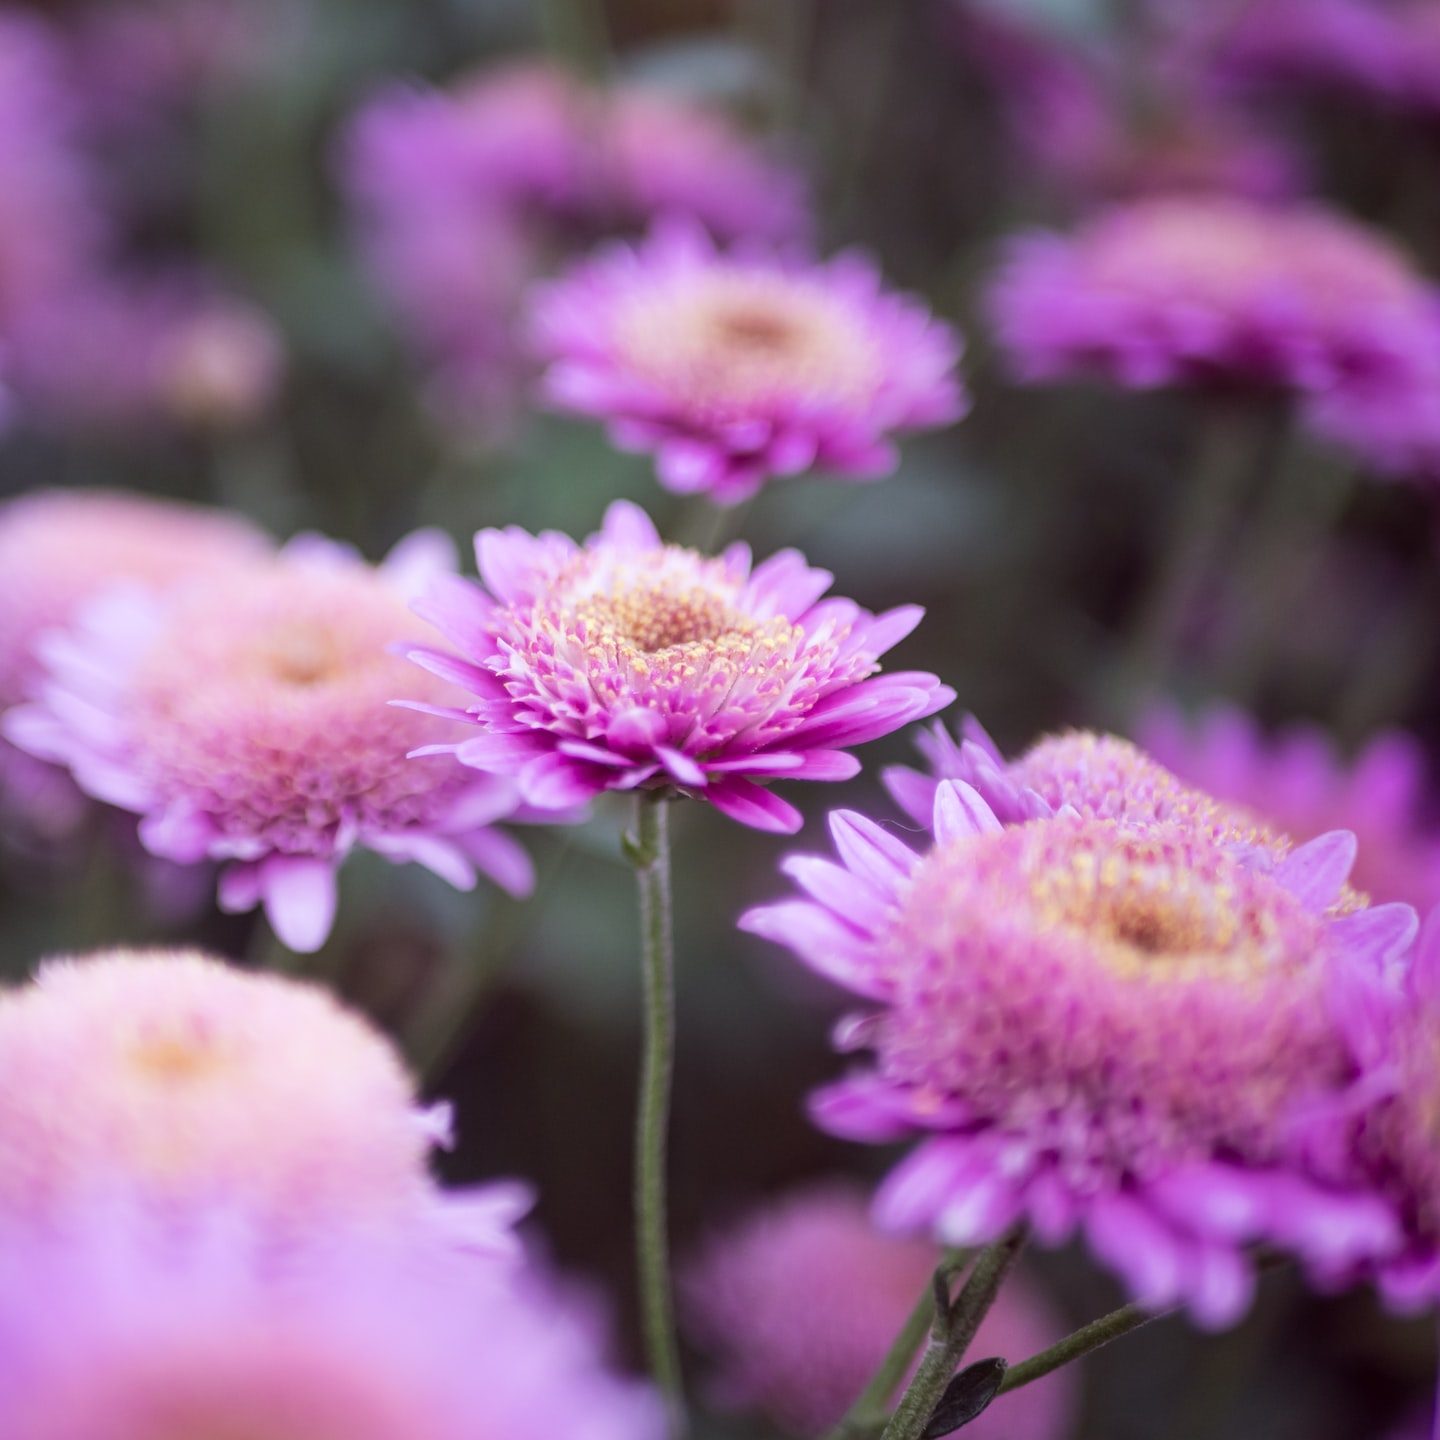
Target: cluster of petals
(1103,1020)
(732,368)
(626,663)
(1215,291)
(245,717)
(123,1329)
(800,1300)
(1296,783)
(175,1082)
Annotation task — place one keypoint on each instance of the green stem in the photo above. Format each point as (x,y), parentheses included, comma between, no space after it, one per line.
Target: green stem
(649,851)
(951,1337)
(1082,1342)
(867,1414)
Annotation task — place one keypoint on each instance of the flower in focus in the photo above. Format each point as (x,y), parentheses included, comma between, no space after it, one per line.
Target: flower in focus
(1098,1027)
(1213,290)
(124,1332)
(245,717)
(736,368)
(628,663)
(1296,782)
(59,549)
(800,1302)
(174,1078)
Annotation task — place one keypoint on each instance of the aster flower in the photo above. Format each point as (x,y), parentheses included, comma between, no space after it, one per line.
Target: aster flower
(736,368)
(120,1332)
(1098,1027)
(800,1301)
(627,663)
(244,717)
(1212,290)
(174,1078)
(58,550)
(1295,782)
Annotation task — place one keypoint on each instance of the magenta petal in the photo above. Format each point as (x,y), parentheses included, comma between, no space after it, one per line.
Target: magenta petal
(628,525)
(499,753)
(1147,1254)
(1315,872)
(870,851)
(824,943)
(300,896)
(1379,935)
(913,792)
(680,767)
(178,834)
(754,806)
(635,730)
(554,783)
(849,895)
(239,888)
(960,813)
(861,1108)
(503,859)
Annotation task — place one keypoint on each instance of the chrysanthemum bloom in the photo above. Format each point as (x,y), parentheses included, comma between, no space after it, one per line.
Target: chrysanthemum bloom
(120,1333)
(58,549)
(628,663)
(800,1301)
(245,718)
(172,1077)
(735,368)
(1212,290)
(1099,1027)
(1296,782)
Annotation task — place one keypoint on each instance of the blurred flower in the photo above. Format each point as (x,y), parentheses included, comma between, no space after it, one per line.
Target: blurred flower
(1212,291)
(801,1300)
(1391,428)
(245,717)
(627,663)
(123,1332)
(60,548)
(1096,1026)
(737,368)
(1297,783)
(172,1077)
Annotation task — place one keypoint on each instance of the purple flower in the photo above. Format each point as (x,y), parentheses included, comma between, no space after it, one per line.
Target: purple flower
(1098,1026)
(800,1301)
(1295,782)
(736,368)
(244,717)
(626,662)
(1212,290)
(1392,427)
(122,1331)
(186,1084)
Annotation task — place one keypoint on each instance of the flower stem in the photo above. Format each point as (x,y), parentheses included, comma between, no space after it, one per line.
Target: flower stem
(648,850)
(1082,1342)
(862,1418)
(950,1337)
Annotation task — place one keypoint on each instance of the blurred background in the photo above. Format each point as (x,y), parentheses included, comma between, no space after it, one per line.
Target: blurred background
(236,267)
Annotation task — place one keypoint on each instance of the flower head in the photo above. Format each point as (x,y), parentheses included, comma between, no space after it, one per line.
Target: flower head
(800,1301)
(120,1332)
(626,662)
(1295,782)
(172,1077)
(1212,290)
(245,718)
(736,368)
(1100,1026)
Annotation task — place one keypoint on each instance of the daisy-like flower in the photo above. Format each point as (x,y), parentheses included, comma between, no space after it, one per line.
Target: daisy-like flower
(1297,783)
(1100,1027)
(734,368)
(58,550)
(1212,290)
(627,662)
(245,718)
(801,1300)
(187,1084)
(120,1332)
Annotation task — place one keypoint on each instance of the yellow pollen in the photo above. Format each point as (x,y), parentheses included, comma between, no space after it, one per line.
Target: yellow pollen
(654,616)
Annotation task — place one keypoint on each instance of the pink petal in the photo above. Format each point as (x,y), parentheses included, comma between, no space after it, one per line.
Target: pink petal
(628,525)
(826,945)
(1315,872)
(870,851)
(554,783)
(300,897)
(754,806)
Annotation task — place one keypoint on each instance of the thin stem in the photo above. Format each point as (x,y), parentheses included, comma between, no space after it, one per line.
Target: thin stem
(649,851)
(1082,1342)
(951,1337)
(866,1415)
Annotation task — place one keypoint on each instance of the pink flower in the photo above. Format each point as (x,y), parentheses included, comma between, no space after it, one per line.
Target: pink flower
(60,548)
(1098,1026)
(628,663)
(1212,290)
(737,368)
(244,717)
(186,1084)
(120,1331)
(800,1301)
(1296,782)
